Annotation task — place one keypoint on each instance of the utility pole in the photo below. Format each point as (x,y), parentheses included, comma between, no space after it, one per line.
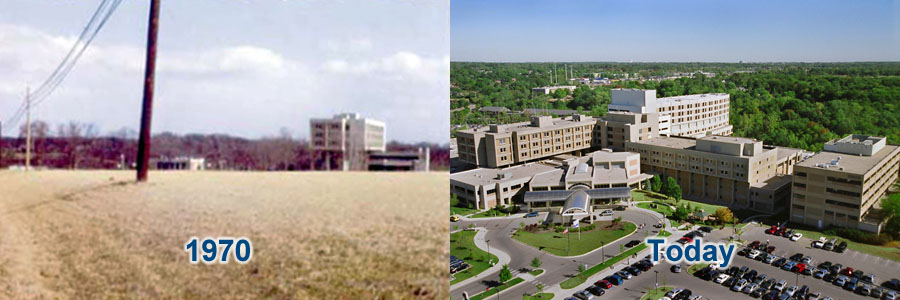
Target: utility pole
(143,153)
(27,129)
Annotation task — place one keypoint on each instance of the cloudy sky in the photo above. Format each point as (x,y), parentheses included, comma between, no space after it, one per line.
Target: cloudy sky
(245,68)
(685,30)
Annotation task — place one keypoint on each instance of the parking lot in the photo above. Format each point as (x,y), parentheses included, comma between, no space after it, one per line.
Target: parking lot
(883,269)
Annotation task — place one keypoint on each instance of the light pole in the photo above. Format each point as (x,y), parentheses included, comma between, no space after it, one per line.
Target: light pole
(657,278)
(488,242)
(602,256)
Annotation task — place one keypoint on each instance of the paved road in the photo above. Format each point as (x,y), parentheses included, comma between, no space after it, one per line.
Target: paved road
(556,269)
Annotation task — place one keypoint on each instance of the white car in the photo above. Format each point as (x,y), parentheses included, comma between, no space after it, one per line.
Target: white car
(753,254)
(780,285)
(796,237)
(674,292)
(607,212)
(721,278)
(791,290)
(817,244)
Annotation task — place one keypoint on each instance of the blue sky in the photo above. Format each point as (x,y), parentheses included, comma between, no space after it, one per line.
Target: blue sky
(692,30)
(241,67)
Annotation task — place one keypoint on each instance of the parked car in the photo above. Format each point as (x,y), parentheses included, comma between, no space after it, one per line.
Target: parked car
(797,257)
(624,274)
(772,295)
(829,245)
(531,214)
(454,218)
(825,265)
(615,279)
(851,284)
(770,249)
(676,268)
(789,266)
(744,252)
(796,237)
(769,258)
(863,289)
(674,292)
(847,271)
(766,284)
(750,288)
(840,280)
(754,244)
(869,278)
(604,284)
(772,229)
(584,295)
(753,254)
(779,262)
(632,243)
(780,285)
(706,229)
(829,277)
(758,292)
(808,271)
(737,287)
(607,212)
(820,273)
(807,260)
(798,268)
(721,278)
(818,243)
(877,292)
(889,295)
(787,233)
(841,247)
(791,290)
(893,284)
(596,290)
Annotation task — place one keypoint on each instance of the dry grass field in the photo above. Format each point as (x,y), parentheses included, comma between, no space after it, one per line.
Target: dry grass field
(97,235)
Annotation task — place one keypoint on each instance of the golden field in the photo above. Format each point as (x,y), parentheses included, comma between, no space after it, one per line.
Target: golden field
(315,235)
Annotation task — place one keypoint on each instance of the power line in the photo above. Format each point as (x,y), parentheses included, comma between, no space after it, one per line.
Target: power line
(39,98)
(104,9)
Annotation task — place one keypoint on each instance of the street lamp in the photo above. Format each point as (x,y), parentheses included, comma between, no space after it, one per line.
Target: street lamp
(657,278)
(488,242)
(602,256)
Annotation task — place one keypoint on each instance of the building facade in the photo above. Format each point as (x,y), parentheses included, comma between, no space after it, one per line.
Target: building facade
(621,127)
(689,115)
(508,144)
(729,171)
(486,188)
(347,137)
(843,185)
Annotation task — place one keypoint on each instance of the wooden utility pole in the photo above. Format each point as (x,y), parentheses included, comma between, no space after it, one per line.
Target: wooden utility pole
(143,153)
(27,129)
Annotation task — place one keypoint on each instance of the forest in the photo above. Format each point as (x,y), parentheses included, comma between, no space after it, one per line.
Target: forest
(798,105)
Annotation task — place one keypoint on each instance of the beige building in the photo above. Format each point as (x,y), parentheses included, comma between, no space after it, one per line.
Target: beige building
(689,115)
(620,127)
(731,171)
(843,185)
(488,187)
(348,137)
(507,144)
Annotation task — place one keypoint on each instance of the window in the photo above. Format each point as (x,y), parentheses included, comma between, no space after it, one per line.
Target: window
(801,174)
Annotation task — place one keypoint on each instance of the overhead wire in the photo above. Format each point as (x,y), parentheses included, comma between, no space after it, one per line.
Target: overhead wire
(104,9)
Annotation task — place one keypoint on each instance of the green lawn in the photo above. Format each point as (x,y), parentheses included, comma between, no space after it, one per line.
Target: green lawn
(707,208)
(892,253)
(455,210)
(664,233)
(536,272)
(662,209)
(654,294)
(489,213)
(462,245)
(641,195)
(556,243)
(577,280)
(541,296)
(492,291)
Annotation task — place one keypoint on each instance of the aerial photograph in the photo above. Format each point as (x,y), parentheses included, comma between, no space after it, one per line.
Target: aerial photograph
(581,130)
(224,149)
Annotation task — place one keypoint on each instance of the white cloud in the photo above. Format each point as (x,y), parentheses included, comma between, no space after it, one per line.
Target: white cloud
(243,89)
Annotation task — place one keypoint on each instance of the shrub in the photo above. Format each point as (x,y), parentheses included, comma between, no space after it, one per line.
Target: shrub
(860,236)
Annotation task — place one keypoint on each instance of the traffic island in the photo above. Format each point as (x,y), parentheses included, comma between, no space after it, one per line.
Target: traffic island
(552,240)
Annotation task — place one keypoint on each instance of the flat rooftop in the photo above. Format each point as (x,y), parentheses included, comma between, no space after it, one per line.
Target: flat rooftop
(728,139)
(849,163)
(670,142)
(482,176)
(784,152)
(690,98)
(773,183)
(527,127)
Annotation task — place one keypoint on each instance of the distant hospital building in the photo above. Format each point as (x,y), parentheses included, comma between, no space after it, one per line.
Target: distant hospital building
(360,144)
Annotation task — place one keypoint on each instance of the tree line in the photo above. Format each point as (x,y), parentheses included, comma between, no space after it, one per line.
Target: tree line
(75,145)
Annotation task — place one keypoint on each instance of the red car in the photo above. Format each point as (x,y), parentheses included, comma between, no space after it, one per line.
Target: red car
(772,229)
(848,271)
(685,240)
(770,249)
(604,284)
(754,244)
(799,268)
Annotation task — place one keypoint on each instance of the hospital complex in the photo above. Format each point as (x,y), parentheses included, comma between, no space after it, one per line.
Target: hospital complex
(573,165)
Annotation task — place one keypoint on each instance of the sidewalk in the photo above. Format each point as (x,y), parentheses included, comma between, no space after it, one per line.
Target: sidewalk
(503,258)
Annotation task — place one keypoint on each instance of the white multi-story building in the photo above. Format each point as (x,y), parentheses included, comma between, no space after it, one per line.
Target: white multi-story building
(349,135)
(689,115)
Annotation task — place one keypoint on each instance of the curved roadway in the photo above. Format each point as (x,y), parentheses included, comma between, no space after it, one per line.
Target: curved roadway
(556,268)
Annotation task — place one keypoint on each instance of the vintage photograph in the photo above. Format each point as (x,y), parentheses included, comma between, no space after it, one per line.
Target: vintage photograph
(223,149)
